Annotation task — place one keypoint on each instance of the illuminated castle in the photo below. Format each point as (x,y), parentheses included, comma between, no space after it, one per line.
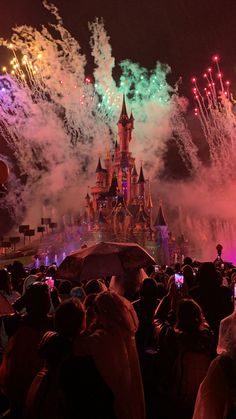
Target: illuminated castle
(119,206)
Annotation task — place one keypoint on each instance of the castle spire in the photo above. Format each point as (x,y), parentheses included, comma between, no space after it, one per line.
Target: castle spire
(134,171)
(141,176)
(99,166)
(149,200)
(160,220)
(87,198)
(141,216)
(123,113)
(131,120)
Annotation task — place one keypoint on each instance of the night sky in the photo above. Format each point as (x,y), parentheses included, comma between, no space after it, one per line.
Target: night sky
(182,33)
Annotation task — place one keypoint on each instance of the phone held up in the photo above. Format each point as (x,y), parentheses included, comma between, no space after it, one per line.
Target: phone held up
(50,282)
(179,280)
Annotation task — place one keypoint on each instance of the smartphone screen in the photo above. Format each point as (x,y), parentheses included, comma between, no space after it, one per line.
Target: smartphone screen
(179,280)
(50,282)
(156,268)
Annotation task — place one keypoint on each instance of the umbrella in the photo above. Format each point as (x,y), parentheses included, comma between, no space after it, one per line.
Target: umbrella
(104,259)
(6,308)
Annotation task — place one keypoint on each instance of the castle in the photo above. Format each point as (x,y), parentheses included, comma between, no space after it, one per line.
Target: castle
(119,206)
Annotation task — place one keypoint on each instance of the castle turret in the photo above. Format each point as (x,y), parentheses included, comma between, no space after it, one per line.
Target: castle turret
(100,174)
(116,151)
(134,184)
(87,199)
(149,204)
(141,186)
(140,228)
(131,120)
(162,238)
(125,127)
(113,190)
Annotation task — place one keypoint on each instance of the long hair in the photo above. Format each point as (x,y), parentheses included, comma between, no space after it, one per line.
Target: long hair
(189,316)
(115,311)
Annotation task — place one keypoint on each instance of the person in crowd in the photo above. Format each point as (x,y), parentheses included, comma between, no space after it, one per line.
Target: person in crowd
(90,312)
(64,289)
(128,284)
(94,286)
(7,291)
(18,274)
(112,346)
(188,261)
(78,292)
(6,288)
(145,308)
(185,352)
(20,360)
(214,299)
(217,393)
(189,276)
(68,386)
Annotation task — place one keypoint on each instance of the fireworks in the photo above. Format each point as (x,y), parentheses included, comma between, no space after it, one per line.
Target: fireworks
(55,118)
(214,108)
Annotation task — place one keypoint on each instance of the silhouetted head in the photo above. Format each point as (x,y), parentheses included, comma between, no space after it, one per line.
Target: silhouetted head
(207,275)
(65,287)
(188,261)
(189,316)
(37,300)
(78,292)
(51,271)
(69,318)
(112,310)
(94,286)
(148,289)
(169,271)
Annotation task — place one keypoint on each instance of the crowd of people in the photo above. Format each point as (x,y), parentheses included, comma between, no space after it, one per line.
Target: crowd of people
(158,343)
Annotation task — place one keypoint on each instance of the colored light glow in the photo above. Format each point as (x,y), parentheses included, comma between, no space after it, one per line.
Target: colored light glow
(216,58)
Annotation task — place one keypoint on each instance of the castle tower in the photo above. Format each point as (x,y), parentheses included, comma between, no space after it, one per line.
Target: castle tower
(134,185)
(116,151)
(124,129)
(99,173)
(141,187)
(149,203)
(162,238)
(101,184)
(140,229)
